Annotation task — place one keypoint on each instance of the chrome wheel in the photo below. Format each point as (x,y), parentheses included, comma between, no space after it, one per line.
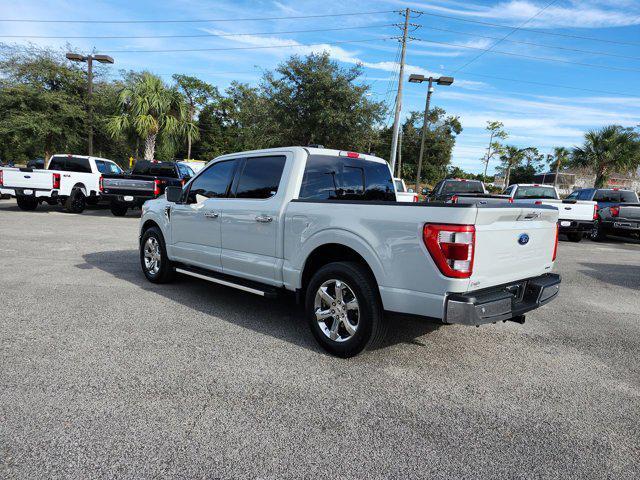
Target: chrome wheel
(152,255)
(337,310)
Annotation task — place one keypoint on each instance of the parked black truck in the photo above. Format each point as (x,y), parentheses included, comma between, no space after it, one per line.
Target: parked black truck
(147,181)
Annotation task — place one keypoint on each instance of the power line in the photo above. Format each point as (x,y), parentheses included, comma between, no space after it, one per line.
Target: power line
(534,30)
(198,35)
(591,52)
(533,57)
(246,48)
(15,20)
(513,80)
(504,38)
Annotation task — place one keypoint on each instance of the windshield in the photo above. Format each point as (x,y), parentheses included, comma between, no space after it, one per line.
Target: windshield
(536,192)
(461,186)
(399,186)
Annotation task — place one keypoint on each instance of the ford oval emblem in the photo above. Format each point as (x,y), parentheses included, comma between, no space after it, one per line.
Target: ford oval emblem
(523,239)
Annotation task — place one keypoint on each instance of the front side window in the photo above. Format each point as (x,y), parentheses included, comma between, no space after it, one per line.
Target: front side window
(260,177)
(585,194)
(184,171)
(107,167)
(214,182)
(337,178)
(573,195)
(399,186)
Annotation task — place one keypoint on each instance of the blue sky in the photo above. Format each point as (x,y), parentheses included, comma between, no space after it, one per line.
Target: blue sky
(534,114)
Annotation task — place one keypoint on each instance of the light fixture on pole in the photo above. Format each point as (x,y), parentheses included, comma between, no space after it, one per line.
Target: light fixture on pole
(76,57)
(415,78)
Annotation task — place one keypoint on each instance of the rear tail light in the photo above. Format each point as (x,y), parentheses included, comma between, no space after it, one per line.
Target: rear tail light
(451,247)
(454,199)
(555,246)
(595,211)
(183,182)
(615,211)
(56,180)
(538,202)
(156,187)
(101,184)
(510,200)
(415,198)
(1,179)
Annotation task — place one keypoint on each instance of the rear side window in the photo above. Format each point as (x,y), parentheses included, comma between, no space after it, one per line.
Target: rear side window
(214,182)
(535,192)
(399,186)
(260,177)
(338,178)
(76,164)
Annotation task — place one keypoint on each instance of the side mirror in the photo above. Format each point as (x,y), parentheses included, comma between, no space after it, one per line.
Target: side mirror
(173,194)
(425,191)
(410,190)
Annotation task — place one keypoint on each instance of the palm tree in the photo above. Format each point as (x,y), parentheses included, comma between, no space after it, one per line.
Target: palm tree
(560,157)
(511,157)
(605,151)
(153,111)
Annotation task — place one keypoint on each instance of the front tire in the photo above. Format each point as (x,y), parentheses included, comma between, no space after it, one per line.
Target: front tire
(344,310)
(119,209)
(28,204)
(76,202)
(574,236)
(153,257)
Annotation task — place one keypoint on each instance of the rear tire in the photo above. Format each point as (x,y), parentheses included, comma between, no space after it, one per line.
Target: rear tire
(345,323)
(118,209)
(575,236)
(76,202)
(27,204)
(597,232)
(153,257)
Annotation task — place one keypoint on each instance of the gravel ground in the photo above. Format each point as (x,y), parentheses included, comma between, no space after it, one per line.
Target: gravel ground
(104,375)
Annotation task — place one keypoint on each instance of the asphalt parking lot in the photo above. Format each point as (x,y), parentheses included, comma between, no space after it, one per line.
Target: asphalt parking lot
(104,375)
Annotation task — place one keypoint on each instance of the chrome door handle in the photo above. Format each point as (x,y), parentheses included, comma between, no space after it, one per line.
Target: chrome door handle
(211,215)
(263,219)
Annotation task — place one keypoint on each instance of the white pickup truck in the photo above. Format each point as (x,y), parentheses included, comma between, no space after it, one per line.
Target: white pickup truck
(325,224)
(71,180)
(576,217)
(402,194)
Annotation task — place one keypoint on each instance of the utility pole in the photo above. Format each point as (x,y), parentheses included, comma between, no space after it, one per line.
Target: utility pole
(396,119)
(424,132)
(399,175)
(76,57)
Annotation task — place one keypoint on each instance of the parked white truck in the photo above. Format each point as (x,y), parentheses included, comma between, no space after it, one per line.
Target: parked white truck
(71,180)
(325,224)
(575,217)
(402,193)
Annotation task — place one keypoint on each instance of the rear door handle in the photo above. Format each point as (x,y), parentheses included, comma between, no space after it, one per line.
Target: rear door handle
(211,214)
(263,219)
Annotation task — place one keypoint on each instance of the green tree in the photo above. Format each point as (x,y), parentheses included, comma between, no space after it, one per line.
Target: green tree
(557,160)
(496,131)
(198,94)
(42,103)
(312,100)
(510,158)
(611,149)
(153,110)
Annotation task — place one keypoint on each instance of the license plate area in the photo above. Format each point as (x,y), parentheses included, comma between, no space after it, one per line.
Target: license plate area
(128,198)
(565,223)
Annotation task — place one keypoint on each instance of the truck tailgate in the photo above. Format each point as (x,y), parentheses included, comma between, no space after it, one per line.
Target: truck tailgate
(582,210)
(27,178)
(629,212)
(127,186)
(513,243)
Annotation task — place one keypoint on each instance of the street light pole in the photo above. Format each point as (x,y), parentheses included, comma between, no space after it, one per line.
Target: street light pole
(414,78)
(76,57)
(424,133)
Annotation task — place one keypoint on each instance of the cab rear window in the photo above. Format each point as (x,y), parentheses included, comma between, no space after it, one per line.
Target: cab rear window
(535,192)
(338,178)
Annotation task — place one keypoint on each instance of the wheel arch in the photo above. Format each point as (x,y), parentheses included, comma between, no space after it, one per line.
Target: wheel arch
(82,187)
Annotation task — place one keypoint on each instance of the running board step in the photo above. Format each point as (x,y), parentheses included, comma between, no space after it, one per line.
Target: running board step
(228,281)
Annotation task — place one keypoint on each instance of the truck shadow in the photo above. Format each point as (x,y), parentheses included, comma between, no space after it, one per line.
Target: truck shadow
(281,318)
(101,210)
(621,275)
